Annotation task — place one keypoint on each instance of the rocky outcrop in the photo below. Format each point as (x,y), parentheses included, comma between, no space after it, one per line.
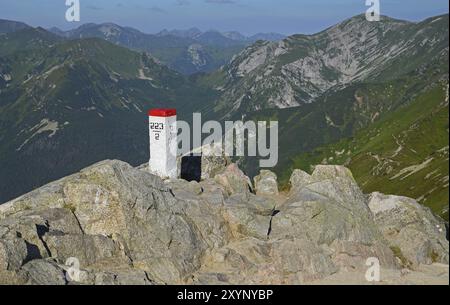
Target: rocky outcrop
(115,224)
(412,231)
(266,183)
(328,210)
(234,180)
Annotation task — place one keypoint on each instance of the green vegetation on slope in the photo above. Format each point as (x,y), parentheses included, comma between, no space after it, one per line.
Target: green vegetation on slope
(404,153)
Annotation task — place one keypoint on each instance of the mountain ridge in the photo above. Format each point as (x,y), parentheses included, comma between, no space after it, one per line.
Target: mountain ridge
(8,26)
(197,51)
(185,53)
(302,67)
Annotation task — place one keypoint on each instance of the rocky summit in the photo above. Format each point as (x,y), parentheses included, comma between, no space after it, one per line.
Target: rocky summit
(112,223)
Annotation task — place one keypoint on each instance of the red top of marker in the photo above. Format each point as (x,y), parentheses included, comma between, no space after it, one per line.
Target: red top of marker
(162,112)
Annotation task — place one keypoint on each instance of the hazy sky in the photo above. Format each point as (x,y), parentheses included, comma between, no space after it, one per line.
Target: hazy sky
(246,16)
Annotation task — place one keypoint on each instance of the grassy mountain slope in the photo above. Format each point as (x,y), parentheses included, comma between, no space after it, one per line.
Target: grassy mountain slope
(405,152)
(26,39)
(339,114)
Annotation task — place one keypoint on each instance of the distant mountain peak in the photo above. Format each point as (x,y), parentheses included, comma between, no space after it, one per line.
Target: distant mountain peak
(9,26)
(361,20)
(195,33)
(299,69)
